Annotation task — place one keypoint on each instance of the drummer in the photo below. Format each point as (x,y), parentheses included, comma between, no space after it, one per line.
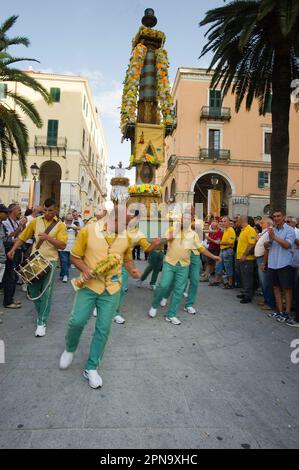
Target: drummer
(53,241)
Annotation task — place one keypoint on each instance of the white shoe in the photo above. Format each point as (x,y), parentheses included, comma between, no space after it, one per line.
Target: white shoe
(73,267)
(190,310)
(163,302)
(24,288)
(139,283)
(64,279)
(66,360)
(153,287)
(94,379)
(174,320)
(119,319)
(186,294)
(40,331)
(95,314)
(153,312)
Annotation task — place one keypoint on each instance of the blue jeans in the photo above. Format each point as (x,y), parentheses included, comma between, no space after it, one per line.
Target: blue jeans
(227,262)
(65,263)
(265,285)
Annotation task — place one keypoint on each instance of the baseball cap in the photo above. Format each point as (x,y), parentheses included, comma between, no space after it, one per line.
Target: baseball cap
(3,208)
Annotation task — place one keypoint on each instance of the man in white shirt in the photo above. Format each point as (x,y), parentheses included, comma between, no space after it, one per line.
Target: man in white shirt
(259,252)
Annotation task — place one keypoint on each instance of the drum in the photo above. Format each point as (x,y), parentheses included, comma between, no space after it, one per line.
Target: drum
(33,268)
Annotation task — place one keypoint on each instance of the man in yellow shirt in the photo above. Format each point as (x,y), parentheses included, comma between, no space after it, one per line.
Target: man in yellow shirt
(245,259)
(227,254)
(181,241)
(53,241)
(93,244)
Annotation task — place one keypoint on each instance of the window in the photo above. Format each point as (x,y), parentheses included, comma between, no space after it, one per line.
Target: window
(3,91)
(267,142)
(268,105)
(52,132)
(264,178)
(214,143)
(84,102)
(83,139)
(86,109)
(55,94)
(89,154)
(215,101)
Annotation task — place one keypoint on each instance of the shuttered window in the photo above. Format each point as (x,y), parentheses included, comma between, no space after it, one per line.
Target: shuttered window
(52,132)
(55,94)
(3,91)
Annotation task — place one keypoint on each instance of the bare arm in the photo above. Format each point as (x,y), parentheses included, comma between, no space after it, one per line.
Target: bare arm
(85,270)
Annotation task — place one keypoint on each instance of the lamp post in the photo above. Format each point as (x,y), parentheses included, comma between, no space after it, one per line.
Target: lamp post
(32,196)
(214,180)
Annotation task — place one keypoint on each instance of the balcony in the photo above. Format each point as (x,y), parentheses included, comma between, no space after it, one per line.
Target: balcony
(222,114)
(58,145)
(214,154)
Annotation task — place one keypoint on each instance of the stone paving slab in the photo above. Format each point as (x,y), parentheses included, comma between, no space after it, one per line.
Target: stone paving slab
(222,379)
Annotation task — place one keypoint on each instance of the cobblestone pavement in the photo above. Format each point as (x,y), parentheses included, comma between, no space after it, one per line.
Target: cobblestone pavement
(222,379)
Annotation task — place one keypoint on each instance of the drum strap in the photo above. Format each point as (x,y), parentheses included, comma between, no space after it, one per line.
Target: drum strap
(48,230)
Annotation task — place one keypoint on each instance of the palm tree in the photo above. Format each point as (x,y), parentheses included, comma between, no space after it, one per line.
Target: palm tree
(14,137)
(256,54)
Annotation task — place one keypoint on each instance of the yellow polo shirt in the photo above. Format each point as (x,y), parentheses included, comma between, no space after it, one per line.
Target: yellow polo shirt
(229,236)
(179,249)
(247,237)
(39,225)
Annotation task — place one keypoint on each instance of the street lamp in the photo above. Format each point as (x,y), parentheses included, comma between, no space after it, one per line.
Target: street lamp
(35,172)
(214,180)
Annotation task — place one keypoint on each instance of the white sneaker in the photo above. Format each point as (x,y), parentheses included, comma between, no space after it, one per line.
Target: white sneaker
(24,287)
(174,320)
(66,360)
(163,302)
(139,283)
(153,312)
(95,314)
(64,279)
(119,319)
(153,287)
(94,379)
(73,267)
(186,294)
(190,310)
(40,331)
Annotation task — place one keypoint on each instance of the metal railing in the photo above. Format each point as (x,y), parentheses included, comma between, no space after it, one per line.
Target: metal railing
(171,162)
(214,154)
(42,141)
(207,112)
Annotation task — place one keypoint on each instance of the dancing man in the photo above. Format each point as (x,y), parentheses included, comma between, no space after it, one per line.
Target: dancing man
(94,244)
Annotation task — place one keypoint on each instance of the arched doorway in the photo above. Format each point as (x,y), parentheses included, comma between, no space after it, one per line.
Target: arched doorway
(204,183)
(50,177)
(172,190)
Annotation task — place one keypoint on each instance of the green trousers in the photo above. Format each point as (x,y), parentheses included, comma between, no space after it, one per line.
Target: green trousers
(175,276)
(43,305)
(124,282)
(194,275)
(85,302)
(155,265)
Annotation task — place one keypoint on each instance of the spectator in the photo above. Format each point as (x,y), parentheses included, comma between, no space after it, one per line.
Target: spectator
(77,220)
(259,252)
(227,254)
(295,263)
(64,255)
(280,271)
(13,227)
(245,259)
(214,237)
(3,216)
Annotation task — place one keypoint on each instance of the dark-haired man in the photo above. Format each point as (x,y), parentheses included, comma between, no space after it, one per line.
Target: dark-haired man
(55,239)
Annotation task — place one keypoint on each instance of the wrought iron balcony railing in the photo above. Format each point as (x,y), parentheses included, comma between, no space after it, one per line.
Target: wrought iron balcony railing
(214,154)
(42,141)
(223,114)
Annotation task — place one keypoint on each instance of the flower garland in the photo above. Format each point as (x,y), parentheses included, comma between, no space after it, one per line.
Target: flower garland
(163,87)
(149,33)
(146,159)
(131,85)
(145,188)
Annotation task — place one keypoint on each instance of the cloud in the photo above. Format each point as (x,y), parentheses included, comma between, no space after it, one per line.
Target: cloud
(109,101)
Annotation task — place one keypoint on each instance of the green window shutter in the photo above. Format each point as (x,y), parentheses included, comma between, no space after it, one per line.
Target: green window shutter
(215,99)
(52,132)
(0,167)
(3,91)
(55,94)
(268,105)
(261,179)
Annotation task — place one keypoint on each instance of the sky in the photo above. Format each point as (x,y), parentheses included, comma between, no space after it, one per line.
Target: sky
(92,38)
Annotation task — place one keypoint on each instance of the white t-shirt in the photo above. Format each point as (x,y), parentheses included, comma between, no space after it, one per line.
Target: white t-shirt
(259,249)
